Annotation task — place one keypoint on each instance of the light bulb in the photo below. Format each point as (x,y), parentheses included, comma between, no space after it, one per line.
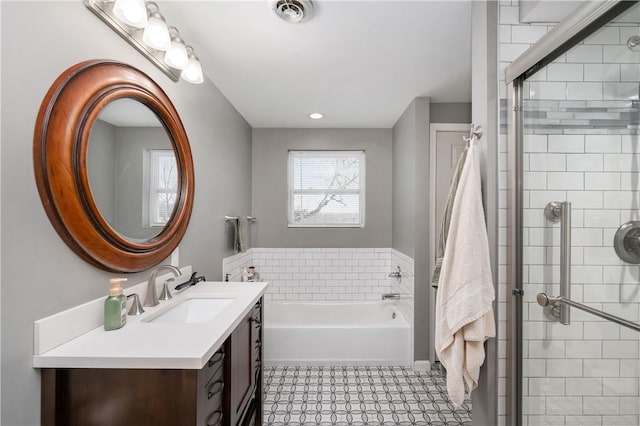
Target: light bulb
(316,116)
(193,71)
(156,34)
(176,56)
(131,12)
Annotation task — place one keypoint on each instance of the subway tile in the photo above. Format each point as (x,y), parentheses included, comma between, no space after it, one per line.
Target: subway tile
(601,367)
(586,237)
(584,91)
(601,405)
(565,180)
(535,143)
(603,181)
(566,143)
(622,91)
(620,54)
(583,421)
(601,331)
(509,15)
(509,52)
(599,293)
(534,367)
(564,367)
(630,144)
(620,386)
(527,33)
(625,274)
(585,162)
(557,331)
(602,72)
(604,35)
(583,349)
(630,405)
(535,180)
(539,199)
(546,349)
(564,405)
(544,420)
(630,72)
(504,36)
(565,72)
(619,420)
(600,256)
(584,386)
(548,90)
(620,349)
(621,162)
(629,368)
(533,404)
(603,143)
(586,54)
(620,199)
(585,274)
(547,162)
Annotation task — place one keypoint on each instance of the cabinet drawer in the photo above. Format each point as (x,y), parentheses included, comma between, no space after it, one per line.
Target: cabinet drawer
(213,367)
(211,401)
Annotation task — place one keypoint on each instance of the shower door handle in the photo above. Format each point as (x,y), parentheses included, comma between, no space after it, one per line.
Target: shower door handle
(561,211)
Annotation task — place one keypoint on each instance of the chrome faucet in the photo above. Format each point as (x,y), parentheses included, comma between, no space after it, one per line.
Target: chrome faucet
(151,299)
(396,274)
(391,296)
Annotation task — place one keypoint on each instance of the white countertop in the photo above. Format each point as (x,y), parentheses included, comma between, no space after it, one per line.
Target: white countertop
(141,344)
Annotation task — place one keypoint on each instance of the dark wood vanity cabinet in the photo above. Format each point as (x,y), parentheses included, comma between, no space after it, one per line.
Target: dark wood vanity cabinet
(227,391)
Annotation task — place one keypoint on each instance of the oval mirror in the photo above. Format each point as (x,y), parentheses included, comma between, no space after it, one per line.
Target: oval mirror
(113,166)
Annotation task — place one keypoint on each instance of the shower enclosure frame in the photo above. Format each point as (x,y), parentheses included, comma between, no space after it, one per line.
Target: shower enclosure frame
(575,28)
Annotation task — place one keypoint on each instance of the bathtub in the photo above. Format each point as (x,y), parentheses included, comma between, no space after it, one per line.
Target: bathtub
(336,333)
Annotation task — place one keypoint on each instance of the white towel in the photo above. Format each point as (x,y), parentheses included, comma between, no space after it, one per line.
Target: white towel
(464,311)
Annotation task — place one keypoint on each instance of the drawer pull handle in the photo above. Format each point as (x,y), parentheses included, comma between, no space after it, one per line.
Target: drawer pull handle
(217,357)
(211,392)
(217,421)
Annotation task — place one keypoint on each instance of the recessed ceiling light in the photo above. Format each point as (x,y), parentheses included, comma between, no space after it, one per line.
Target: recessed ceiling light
(316,116)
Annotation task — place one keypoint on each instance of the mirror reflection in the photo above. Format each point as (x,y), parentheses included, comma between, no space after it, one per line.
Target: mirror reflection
(132,169)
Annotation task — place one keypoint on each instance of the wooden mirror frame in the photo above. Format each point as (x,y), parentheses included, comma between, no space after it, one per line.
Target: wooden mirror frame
(61,139)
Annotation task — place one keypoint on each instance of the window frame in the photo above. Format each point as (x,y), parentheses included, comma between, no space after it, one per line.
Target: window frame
(151,191)
(361,191)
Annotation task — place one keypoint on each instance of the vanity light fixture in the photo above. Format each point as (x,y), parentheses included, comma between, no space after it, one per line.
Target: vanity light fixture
(131,12)
(156,33)
(193,71)
(316,116)
(142,25)
(176,55)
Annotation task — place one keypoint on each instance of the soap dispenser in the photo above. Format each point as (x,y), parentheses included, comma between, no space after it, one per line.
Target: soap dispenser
(115,306)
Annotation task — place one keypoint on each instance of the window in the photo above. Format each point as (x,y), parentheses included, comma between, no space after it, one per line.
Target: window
(326,188)
(162,175)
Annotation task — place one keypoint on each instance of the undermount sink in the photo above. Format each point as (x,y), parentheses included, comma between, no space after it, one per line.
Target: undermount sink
(194,310)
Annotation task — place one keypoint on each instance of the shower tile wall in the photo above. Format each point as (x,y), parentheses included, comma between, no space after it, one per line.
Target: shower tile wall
(328,274)
(577,147)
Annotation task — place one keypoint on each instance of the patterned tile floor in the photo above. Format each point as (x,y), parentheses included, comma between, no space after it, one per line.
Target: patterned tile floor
(350,396)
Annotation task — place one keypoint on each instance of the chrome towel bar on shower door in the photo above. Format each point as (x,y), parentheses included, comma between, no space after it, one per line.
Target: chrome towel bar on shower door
(561,211)
(544,300)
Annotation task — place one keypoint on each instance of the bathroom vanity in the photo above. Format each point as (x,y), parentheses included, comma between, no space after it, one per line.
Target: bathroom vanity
(202,373)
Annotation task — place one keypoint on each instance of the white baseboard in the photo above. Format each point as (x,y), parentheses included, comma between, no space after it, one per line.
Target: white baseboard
(422,365)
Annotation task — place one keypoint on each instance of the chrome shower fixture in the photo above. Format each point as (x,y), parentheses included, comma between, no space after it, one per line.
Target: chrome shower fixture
(634,43)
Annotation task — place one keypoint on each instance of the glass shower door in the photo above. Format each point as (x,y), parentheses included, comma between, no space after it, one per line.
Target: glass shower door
(581,145)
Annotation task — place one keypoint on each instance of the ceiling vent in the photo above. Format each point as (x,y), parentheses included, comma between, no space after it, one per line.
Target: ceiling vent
(293,11)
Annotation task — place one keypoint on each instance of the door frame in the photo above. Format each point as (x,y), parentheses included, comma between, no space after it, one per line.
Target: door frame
(434,128)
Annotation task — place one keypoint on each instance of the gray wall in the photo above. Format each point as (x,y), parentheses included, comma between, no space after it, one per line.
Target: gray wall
(451,112)
(101,158)
(411,209)
(269,187)
(40,275)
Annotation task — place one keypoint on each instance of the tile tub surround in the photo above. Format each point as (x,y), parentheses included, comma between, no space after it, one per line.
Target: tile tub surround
(328,274)
(348,396)
(586,373)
